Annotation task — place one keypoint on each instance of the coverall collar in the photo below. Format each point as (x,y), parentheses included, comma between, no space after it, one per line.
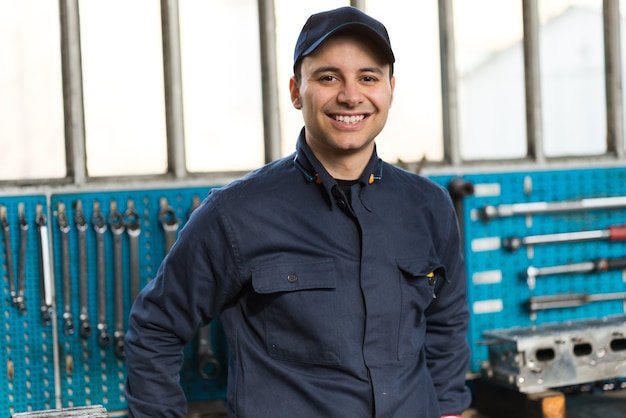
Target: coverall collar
(313,170)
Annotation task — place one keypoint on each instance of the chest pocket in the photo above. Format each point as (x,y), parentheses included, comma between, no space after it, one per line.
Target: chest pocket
(420,279)
(299,311)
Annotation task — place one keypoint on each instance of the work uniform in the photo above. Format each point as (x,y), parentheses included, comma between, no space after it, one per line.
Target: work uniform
(334,304)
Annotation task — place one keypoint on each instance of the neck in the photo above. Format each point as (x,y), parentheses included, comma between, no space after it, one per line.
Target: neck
(345,166)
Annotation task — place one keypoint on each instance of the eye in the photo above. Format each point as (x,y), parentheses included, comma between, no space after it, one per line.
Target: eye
(327,78)
(370,79)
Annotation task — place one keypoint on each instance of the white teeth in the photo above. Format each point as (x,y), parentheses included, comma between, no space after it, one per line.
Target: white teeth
(349,119)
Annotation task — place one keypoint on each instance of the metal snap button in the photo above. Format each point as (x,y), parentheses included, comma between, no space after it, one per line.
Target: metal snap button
(292,277)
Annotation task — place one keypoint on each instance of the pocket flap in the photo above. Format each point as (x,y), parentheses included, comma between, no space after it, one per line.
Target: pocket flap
(421,267)
(292,276)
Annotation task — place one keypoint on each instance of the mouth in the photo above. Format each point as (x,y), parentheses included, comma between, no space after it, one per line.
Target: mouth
(349,119)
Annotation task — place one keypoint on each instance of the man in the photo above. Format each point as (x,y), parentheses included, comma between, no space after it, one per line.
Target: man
(338,278)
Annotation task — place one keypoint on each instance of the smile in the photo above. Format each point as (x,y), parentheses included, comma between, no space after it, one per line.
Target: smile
(349,119)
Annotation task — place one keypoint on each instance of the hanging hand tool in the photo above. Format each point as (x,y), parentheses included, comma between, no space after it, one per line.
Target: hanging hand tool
(167,217)
(8,250)
(133,229)
(81,227)
(601,264)
(45,284)
(195,203)
(20,300)
(489,212)
(64,228)
(571,300)
(208,365)
(612,233)
(116,223)
(459,189)
(100,227)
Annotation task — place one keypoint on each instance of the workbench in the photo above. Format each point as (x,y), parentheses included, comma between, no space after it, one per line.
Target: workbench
(494,401)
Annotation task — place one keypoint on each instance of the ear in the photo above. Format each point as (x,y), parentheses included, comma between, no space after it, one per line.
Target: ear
(294,90)
(393,86)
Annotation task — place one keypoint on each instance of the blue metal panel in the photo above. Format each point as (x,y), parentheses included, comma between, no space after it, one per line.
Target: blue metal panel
(498,291)
(27,355)
(98,374)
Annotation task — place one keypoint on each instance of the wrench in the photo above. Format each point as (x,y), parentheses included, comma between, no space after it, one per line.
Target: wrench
(208,365)
(601,264)
(612,233)
(81,227)
(20,300)
(45,283)
(133,228)
(489,212)
(100,226)
(6,227)
(116,223)
(167,217)
(64,227)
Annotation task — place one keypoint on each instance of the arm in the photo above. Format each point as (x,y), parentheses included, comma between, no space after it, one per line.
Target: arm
(187,292)
(447,317)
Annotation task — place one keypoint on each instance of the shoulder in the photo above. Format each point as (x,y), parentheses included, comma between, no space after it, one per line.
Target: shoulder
(414,185)
(274,177)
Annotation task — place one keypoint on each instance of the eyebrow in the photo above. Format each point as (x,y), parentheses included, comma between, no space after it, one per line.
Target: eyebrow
(332,69)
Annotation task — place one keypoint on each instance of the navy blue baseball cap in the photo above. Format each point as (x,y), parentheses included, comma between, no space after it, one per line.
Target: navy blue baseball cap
(321,26)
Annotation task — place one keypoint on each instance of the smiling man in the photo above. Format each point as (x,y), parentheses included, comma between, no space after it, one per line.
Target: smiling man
(338,277)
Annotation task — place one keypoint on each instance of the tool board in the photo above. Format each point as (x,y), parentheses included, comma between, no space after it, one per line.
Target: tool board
(48,366)
(498,286)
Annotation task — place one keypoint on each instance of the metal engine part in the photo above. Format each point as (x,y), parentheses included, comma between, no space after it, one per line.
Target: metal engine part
(555,355)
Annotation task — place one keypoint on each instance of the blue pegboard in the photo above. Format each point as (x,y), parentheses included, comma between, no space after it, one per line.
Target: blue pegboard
(498,291)
(28,354)
(97,374)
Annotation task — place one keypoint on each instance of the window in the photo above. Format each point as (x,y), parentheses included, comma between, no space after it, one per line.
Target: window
(31,103)
(572,77)
(123,89)
(221,85)
(490,66)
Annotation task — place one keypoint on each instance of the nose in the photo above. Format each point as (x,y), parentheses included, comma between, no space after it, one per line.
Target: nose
(350,94)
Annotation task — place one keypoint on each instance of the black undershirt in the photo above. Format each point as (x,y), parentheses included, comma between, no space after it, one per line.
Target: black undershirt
(345,185)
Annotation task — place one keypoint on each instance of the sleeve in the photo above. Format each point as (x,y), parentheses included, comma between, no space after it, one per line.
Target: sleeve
(190,288)
(447,349)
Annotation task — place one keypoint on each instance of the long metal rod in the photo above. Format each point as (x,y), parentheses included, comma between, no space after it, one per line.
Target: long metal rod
(449,97)
(591,266)
(613,78)
(612,233)
(73,104)
(534,121)
(573,300)
(172,73)
(533,208)
(269,80)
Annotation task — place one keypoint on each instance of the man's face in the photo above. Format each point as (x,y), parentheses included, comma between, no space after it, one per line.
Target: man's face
(345,93)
